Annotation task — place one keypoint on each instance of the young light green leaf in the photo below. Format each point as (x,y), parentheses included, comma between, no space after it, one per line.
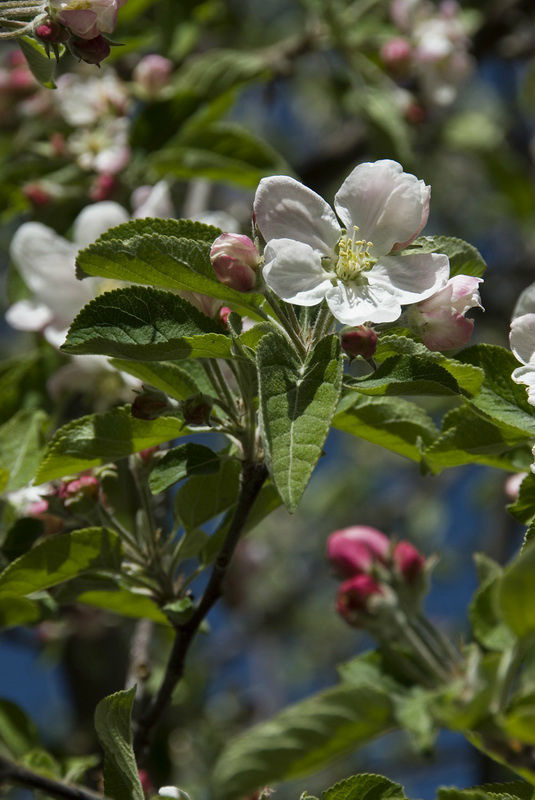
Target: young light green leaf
(365,787)
(177,380)
(99,438)
(297,403)
(464,258)
(396,424)
(21,446)
(16,611)
(163,261)
(201,497)
(145,325)
(516,593)
(18,733)
(302,739)
(59,559)
(186,459)
(42,67)
(122,602)
(113,726)
(484,612)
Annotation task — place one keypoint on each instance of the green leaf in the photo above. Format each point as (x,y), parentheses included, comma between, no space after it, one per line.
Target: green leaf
(21,446)
(176,228)
(407,375)
(297,401)
(113,725)
(204,496)
(519,722)
(186,459)
(468,438)
(484,611)
(124,603)
(146,325)
(488,791)
(464,258)
(523,509)
(302,739)
(365,787)
(159,260)
(177,380)
(21,536)
(396,424)
(413,714)
(516,593)
(18,611)
(59,559)
(499,397)
(99,438)
(18,734)
(42,67)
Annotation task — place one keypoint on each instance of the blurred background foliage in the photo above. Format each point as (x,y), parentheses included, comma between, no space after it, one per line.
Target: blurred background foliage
(310,89)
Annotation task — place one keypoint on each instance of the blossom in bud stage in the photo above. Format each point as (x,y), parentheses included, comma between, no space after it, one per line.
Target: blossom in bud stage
(86,19)
(153,73)
(36,194)
(353,597)
(224,314)
(361,341)
(196,410)
(150,404)
(440,320)
(147,454)
(103,187)
(84,487)
(512,485)
(235,260)
(51,32)
(396,51)
(354,550)
(408,561)
(92,51)
(356,268)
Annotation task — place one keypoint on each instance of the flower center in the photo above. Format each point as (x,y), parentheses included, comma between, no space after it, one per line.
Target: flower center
(354,257)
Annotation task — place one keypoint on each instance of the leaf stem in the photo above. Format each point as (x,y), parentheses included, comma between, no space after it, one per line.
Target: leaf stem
(21,776)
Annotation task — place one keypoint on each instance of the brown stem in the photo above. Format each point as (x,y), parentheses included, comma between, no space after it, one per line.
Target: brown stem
(252,477)
(21,776)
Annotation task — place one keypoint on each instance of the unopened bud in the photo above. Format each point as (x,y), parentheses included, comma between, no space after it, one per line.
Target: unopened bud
(224,314)
(197,410)
(153,73)
(86,487)
(36,194)
(408,561)
(235,260)
(440,320)
(396,52)
(361,341)
(92,51)
(103,188)
(150,404)
(352,600)
(147,454)
(51,32)
(354,550)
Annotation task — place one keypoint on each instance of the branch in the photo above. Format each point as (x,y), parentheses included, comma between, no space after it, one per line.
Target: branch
(252,478)
(19,775)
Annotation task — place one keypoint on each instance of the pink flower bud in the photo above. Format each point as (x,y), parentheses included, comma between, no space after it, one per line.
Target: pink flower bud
(51,32)
(361,341)
(153,73)
(353,597)
(36,194)
(440,319)
(224,314)
(92,51)
(408,561)
(353,550)
(39,507)
(147,454)
(235,259)
(103,188)
(86,487)
(396,52)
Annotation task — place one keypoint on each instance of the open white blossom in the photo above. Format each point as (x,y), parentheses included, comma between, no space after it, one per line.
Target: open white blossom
(522,341)
(309,256)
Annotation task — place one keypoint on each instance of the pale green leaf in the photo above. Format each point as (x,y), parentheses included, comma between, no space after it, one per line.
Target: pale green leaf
(516,593)
(21,446)
(297,401)
(16,611)
(176,380)
(42,67)
(113,725)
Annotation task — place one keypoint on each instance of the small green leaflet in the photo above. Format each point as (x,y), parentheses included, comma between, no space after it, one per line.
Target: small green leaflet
(297,403)
(113,726)
(43,68)
(186,459)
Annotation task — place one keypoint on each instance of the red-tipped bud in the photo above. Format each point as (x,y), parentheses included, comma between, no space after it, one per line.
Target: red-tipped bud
(396,52)
(86,487)
(147,454)
(361,341)
(353,597)
(51,32)
(36,194)
(224,314)
(92,51)
(145,781)
(103,188)
(408,561)
(354,550)
(149,404)
(235,259)
(197,410)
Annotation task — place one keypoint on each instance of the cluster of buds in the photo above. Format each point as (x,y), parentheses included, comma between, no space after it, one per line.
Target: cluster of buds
(378,573)
(235,261)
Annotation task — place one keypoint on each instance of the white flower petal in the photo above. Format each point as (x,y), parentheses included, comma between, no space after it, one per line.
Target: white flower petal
(42,257)
(388,205)
(413,277)
(158,203)
(293,271)
(28,315)
(522,338)
(352,304)
(526,302)
(284,208)
(526,376)
(96,219)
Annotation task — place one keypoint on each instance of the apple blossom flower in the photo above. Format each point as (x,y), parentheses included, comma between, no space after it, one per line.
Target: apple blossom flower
(235,259)
(85,101)
(310,257)
(440,320)
(86,19)
(104,148)
(355,549)
(522,341)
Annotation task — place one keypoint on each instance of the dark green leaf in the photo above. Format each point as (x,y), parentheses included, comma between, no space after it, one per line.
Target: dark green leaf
(365,787)
(204,496)
(177,380)
(407,375)
(297,402)
(18,734)
(186,459)
(113,725)
(516,593)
